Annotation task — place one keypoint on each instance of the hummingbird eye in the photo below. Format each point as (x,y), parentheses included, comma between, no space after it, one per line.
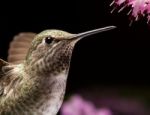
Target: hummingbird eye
(48,40)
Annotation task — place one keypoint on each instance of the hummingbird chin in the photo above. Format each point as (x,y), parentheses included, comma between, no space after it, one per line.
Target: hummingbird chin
(33,81)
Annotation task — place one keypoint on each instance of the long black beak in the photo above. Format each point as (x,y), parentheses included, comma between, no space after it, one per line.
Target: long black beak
(92,32)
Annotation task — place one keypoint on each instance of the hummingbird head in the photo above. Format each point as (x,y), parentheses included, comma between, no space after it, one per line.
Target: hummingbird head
(52,49)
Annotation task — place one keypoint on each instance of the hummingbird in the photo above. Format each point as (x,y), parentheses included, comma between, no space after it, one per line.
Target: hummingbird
(33,80)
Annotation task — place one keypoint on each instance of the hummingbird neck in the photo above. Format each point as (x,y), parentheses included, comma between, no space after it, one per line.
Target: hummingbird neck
(50,86)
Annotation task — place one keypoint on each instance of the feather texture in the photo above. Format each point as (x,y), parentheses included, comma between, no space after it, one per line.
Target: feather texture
(19,47)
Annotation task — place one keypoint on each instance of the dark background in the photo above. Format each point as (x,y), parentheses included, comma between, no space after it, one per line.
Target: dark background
(116,58)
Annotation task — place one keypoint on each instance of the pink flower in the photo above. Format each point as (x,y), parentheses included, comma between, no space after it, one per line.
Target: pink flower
(79,106)
(139,8)
(104,111)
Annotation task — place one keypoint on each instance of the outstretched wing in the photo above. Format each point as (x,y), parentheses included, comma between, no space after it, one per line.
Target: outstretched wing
(10,71)
(10,74)
(2,64)
(19,47)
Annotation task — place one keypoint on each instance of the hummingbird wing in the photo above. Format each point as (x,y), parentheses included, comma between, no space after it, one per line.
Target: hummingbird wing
(2,74)
(2,63)
(10,71)
(19,47)
(10,74)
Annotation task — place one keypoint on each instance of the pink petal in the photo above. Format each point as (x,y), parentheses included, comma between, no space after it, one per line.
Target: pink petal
(138,7)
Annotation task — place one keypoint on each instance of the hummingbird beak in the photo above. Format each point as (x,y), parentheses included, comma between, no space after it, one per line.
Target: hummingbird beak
(91,32)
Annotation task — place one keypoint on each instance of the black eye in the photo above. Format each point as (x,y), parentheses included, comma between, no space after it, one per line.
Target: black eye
(48,40)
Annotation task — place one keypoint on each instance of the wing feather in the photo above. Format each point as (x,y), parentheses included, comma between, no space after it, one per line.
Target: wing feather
(19,47)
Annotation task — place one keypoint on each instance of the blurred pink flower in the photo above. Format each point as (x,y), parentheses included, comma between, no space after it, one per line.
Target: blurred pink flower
(104,111)
(78,106)
(138,7)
